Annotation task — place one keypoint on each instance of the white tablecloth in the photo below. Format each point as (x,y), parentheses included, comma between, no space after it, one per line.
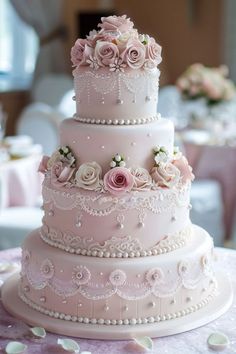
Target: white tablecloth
(20,183)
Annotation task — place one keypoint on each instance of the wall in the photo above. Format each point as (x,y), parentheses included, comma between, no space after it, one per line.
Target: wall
(185,38)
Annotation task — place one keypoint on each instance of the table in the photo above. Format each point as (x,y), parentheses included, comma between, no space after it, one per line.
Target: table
(219,163)
(192,342)
(20,183)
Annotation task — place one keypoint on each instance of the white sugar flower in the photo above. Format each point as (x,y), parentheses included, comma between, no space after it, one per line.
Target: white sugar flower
(93,63)
(161,154)
(117,65)
(88,175)
(117,277)
(92,34)
(117,161)
(156,149)
(161,157)
(65,149)
(112,164)
(177,153)
(122,164)
(117,157)
(80,275)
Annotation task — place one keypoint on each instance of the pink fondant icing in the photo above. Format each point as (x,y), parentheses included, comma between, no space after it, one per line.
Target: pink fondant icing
(147,216)
(116,289)
(109,95)
(100,143)
(116,246)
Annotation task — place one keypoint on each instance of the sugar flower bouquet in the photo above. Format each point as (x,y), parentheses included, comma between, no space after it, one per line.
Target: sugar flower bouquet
(117,45)
(211,83)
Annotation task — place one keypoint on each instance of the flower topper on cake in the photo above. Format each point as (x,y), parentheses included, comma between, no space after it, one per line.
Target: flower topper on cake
(116,45)
(61,166)
(167,172)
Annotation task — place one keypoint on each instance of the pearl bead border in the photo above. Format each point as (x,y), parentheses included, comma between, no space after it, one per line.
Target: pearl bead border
(118,121)
(107,254)
(127,321)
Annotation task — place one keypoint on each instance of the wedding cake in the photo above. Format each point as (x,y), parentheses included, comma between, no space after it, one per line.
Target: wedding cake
(117,251)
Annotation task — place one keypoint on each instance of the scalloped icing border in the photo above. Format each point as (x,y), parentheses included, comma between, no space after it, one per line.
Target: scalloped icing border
(132,321)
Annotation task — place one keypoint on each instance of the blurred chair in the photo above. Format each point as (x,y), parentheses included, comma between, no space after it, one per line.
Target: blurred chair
(16,222)
(169,101)
(207,208)
(52,102)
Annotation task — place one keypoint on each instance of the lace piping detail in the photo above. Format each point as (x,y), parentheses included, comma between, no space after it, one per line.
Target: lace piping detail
(157,202)
(115,246)
(155,281)
(132,321)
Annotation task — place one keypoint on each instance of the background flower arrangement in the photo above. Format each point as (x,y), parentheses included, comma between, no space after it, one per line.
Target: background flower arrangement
(166,173)
(116,45)
(212,83)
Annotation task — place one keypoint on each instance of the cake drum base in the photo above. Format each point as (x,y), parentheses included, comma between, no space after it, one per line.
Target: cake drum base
(217,307)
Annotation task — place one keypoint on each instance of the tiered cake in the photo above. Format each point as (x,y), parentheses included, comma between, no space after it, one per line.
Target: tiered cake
(116,251)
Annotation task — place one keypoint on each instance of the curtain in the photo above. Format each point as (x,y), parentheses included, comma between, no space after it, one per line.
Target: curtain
(45,17)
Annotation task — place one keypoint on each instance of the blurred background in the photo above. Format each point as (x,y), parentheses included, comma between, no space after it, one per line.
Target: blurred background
(197,92)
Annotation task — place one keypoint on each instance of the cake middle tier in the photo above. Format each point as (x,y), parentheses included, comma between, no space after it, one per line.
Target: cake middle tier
(101,142)
(132,225)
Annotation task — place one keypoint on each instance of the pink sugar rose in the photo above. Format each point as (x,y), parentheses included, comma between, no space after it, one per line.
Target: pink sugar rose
(165,175)
(134,54)
(106,52)
(43,166)
(80,52)
(153,51)
(116,23)
(184,168)
(118,180)
(142,179)
(61,173)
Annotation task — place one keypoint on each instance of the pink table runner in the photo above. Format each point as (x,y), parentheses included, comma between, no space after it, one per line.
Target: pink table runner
(20,183)
(192,342)
(219,163)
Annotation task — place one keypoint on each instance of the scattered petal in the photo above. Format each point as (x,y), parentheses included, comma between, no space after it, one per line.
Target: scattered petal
(69,345)
(144,343)
(218,341)
(15,348)
(38,332)
(86,353)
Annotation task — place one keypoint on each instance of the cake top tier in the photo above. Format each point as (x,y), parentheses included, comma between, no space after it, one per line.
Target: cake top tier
(117,45)
(116,77)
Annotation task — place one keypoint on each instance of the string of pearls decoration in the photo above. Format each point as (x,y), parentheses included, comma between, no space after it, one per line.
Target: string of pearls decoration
(118,121)
(127,321)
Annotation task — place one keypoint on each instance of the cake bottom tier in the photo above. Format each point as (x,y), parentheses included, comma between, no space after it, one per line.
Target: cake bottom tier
(117,291)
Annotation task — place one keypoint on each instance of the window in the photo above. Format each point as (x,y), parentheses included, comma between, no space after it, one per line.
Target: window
(18,46)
